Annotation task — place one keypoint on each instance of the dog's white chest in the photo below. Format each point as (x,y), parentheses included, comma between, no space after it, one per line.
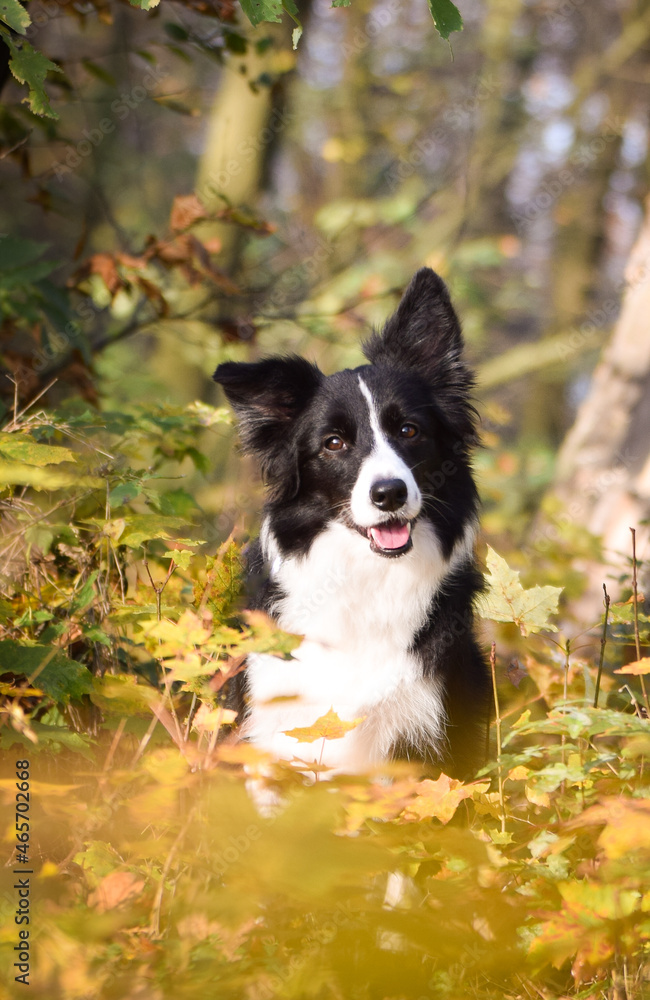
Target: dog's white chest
(359,613)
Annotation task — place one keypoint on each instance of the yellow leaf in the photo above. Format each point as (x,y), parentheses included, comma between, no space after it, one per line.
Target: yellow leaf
(212,719)
(506,600)
(536,797)
(518,773)
(328,726)
(441,798)
(23,448)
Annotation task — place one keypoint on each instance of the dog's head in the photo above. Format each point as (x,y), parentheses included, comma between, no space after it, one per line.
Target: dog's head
(376,447)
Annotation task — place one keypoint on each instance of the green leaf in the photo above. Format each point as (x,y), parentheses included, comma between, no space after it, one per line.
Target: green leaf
(235,42)
(144,527)
(296,35)
(23,448)
(123,493)
(200,461)
(13,473)
(623,614)
(262,10)
(84,597)
(31,67)
(95,634)
(341,3)
(182,557)
(17,253)
(15,15)
(55,674)
(446,17)
(50,738)
(144,4)
(507,601)
(178,33)
(178,503)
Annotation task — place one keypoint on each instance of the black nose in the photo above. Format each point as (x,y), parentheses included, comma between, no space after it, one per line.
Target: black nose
(389,494)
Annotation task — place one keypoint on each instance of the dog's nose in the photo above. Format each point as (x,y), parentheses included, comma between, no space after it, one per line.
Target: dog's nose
(389,494)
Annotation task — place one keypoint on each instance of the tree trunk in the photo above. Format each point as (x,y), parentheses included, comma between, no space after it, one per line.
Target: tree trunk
(603,473)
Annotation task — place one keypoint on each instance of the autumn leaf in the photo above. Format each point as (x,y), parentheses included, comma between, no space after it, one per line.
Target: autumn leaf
(637,667)
(186,210)
(23,448)
(115,889)
(507,601)
(211,719)
(439,799)
(626,825)
(328,727)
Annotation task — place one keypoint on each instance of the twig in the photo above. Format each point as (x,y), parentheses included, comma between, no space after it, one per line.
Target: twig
(113,747)
(145,739)
(14,423)
(636,619)
(159,587)
(190,716)
(603,643)
(157,905)
(497,719)
(567,657)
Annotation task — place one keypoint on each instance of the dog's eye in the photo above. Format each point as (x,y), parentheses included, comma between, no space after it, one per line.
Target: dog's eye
(409,431)
(334,443)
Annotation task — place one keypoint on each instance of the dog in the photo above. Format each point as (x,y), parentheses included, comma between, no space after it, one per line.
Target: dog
(367,546)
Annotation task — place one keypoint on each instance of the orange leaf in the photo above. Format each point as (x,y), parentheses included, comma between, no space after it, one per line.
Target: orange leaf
(186,210)
(115,889)
(104,265)
(641,666)
(440,798)
(329,727)
(626,825)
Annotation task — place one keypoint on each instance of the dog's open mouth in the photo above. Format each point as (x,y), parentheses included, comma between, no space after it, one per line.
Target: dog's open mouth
(393,538)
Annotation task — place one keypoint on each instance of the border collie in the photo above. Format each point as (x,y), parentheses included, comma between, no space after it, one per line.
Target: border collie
(367,537)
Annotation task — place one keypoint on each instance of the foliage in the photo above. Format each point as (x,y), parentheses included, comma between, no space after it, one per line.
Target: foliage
(168,859)
(171,860)
(31,67)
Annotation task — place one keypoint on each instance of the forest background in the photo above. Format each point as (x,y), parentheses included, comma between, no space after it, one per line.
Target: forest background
(199,182)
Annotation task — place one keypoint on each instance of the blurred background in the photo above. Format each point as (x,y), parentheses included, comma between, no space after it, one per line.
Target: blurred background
(206,192)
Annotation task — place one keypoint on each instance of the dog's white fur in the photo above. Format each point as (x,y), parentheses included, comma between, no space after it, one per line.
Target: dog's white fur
(383,462)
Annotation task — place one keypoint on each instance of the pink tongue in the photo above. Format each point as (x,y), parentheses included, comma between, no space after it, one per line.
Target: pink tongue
(392,536)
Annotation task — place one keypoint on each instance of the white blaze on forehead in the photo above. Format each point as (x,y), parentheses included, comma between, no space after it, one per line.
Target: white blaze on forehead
(383,462)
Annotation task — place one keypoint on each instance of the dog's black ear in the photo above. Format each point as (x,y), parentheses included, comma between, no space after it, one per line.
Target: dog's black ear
(423,335)
(267,396)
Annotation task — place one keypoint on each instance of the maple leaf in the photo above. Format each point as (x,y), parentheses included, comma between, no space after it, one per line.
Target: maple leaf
(328,726)
(440,798)
(507,601)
